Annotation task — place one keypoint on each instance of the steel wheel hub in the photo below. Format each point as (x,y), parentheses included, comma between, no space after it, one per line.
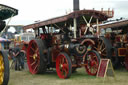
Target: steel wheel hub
(34,56)
(1,69)
(92,63)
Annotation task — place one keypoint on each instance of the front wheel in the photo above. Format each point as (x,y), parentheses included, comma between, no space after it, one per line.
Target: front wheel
(4,68)
(92,60)
(63,66)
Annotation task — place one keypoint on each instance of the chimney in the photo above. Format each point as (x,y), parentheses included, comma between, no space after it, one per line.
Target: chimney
(75,5)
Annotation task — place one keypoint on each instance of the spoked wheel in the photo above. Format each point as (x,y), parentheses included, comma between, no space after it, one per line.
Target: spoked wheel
(63,66)
(35,57)
(4,69)
(105,49)
(92,60)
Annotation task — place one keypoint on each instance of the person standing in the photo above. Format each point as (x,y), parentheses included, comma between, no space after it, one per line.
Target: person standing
(19,58)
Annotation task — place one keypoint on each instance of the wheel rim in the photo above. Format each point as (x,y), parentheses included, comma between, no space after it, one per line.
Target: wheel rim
(62,66)
(33,57)
(1,69)
(92,63)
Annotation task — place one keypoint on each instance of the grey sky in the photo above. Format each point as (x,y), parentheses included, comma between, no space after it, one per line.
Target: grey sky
(33,10)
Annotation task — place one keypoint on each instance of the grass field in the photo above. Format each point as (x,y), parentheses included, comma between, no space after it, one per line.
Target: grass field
(78,78)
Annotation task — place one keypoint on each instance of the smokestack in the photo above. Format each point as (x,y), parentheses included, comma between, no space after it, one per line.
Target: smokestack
(75,5)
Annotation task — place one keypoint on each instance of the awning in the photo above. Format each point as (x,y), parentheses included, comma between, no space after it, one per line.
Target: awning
(6,12)
(4,40)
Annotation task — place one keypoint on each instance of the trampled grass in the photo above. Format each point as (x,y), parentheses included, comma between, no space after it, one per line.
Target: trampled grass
(78,78)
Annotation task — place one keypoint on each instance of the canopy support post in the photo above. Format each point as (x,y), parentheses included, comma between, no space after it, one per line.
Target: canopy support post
(75,27)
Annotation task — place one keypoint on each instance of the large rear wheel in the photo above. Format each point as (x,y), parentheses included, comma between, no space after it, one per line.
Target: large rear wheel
(92,60)
(36,59)
(104,47)
(4,68)
(63,66)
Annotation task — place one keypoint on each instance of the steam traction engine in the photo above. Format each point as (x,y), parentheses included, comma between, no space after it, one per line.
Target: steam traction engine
(5,13)
(114,42)
(65,43)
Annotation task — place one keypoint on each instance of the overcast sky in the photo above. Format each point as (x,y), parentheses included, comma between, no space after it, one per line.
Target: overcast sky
(33,10)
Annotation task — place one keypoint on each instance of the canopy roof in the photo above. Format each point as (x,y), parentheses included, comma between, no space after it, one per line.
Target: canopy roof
(69,18)
(114,24)
(6,12)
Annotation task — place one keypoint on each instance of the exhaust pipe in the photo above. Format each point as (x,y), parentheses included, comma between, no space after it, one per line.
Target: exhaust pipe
(76,5)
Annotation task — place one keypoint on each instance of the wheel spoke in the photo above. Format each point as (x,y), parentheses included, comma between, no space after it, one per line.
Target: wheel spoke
(63,59)
(95,48)
(103,50)
(35,68)
(95,68)
(34,45)
(101,46)
(103,54)
(61,62)
(66,72)
(33,63)
(32,49)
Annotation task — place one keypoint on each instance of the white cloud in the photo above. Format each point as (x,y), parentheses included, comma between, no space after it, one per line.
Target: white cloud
(32,10)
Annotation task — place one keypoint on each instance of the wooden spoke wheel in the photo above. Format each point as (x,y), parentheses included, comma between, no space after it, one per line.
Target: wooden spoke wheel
(4,69)
(35,57)
(63,66)
(92,60)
